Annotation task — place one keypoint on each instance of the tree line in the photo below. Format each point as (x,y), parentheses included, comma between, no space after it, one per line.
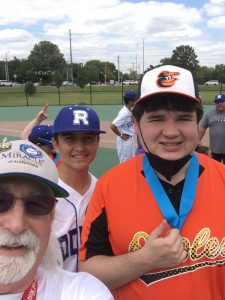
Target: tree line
(47,65)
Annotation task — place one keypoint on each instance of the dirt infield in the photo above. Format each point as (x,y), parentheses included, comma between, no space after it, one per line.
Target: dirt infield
(14,128)
(108,140)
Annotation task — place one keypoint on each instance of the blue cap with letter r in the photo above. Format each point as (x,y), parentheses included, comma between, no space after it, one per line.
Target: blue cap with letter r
(76,118)
(219,98)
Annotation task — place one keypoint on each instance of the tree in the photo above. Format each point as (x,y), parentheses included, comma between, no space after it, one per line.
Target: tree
(45,59)
(220,73)
(82,78)
(30,89)
(184,56)
(58,80)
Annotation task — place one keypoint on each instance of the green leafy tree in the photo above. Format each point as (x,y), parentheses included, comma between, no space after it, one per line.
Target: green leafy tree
(45,59)
(58,80)
(220,73)
(184,56)
(166,61)
(82,78)
(30,88)
(203,74)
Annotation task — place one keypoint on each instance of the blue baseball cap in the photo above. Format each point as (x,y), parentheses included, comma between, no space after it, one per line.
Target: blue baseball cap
(130,95)
(219,98)
(76,118)
(41,134)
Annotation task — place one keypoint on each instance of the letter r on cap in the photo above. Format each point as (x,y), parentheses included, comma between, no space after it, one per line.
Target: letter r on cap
(80,116)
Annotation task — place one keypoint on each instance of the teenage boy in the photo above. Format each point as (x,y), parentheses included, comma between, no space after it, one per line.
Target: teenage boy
(76,131)
(154,228)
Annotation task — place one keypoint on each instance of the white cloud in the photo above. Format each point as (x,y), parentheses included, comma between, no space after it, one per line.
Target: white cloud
(104,29)
(218,22)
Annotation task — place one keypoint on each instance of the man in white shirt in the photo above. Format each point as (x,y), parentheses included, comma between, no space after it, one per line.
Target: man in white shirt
(76,131)
(29,252)
(123,127)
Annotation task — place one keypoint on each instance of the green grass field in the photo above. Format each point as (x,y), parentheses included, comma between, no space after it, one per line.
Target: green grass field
(15,96)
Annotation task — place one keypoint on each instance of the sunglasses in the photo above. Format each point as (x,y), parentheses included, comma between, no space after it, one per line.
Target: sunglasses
(37,205)
(219,101)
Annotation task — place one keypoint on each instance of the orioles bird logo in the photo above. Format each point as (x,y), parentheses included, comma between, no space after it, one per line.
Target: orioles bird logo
(167,79)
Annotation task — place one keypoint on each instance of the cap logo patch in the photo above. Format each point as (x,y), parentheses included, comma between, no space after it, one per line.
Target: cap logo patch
(80,116)
(167,79)
(5,145)
(31,151)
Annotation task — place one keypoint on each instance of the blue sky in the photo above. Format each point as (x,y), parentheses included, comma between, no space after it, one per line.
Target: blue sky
(108,29)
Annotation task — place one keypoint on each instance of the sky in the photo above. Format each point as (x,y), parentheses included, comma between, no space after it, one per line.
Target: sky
(132,34)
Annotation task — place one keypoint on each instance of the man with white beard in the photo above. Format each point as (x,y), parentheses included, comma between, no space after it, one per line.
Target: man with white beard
(29,253)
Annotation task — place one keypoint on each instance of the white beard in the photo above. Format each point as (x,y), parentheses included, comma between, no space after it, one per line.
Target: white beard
(13,269)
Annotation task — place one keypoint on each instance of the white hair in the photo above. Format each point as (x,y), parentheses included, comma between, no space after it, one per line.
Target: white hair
(14,268)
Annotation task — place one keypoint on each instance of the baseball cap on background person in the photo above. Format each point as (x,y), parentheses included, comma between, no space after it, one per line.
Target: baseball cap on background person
(169,79)
(76,118)
(219,98)
(23,158)
(130,95)
(41,134)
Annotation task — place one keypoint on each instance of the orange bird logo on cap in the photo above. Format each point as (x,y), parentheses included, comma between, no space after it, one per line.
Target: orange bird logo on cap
(166,79)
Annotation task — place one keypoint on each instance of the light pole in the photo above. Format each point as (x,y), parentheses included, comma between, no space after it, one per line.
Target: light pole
(6,67)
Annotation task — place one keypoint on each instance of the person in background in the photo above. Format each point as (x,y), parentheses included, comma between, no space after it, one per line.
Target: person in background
(123,127)
(154,228)
(29,252)
(40,134)
(76,134)
(215,121)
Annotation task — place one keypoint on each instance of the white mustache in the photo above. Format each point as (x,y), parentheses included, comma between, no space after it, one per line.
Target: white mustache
(26,239)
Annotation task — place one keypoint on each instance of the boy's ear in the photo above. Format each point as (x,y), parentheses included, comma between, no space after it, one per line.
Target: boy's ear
(55,145)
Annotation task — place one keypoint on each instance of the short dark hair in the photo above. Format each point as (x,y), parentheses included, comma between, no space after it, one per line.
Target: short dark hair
(167,101)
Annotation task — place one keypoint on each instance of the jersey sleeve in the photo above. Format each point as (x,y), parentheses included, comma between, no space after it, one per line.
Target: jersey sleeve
(95,233)
(120,119)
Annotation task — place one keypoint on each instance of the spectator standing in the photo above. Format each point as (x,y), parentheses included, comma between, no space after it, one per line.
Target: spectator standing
(154,227)
(123,127)
(215,121)
(76,132)
(29,252)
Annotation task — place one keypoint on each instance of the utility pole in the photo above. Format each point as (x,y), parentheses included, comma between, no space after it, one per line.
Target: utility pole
(71,58)
(6,68)
(118,60)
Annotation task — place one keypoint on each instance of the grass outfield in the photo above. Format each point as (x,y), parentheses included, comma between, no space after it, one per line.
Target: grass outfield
(15,96)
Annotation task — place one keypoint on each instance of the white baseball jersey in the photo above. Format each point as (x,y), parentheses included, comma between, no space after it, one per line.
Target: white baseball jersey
(68,222)
(63,285)
(124,121)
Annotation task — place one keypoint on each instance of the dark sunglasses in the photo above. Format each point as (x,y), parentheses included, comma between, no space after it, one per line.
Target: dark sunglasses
(36,205)
(219,101)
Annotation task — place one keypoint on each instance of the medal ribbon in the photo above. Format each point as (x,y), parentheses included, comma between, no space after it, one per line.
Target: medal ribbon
(31,291)
(188,194)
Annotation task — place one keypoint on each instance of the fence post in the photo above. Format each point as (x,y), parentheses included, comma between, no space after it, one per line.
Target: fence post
(90,94)
(122,91)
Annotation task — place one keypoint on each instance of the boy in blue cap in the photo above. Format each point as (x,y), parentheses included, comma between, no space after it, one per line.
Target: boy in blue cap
(76,132)
(215,121)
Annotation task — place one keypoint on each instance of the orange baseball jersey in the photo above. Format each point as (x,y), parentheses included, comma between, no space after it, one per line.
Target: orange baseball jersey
(123,212)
